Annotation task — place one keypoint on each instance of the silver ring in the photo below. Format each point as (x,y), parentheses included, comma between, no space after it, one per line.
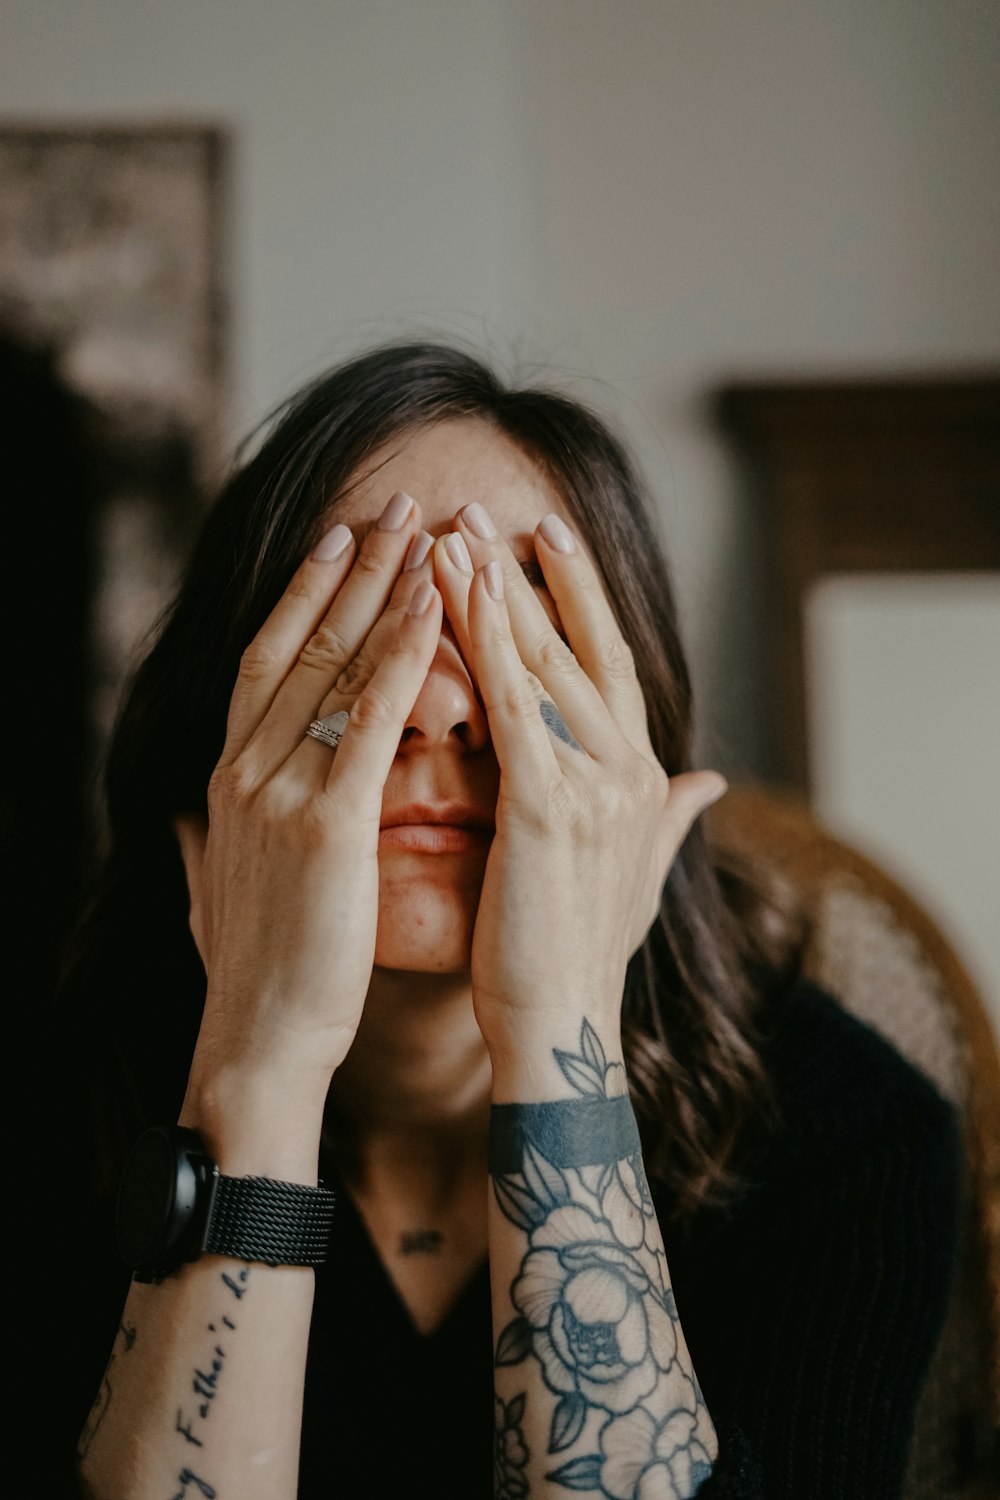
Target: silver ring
(330,731)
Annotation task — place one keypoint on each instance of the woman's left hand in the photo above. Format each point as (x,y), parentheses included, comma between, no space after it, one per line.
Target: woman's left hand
(587,821)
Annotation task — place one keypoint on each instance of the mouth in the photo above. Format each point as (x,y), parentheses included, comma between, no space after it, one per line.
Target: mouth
(434,838)
(436,828)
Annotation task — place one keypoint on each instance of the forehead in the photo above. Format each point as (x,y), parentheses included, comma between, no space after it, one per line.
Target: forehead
(447,466)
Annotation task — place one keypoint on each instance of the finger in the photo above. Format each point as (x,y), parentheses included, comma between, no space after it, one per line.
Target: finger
(578,700)
(336,640)
(511,697)
(362,761)
(592,630)
(274,649)
(351,683)
(453,570)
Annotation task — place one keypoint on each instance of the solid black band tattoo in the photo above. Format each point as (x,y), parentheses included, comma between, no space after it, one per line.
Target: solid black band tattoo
(568,1133)
(554,720)
(595,1330)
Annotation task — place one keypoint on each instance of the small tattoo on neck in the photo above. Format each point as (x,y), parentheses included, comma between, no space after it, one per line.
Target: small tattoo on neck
(420,1241)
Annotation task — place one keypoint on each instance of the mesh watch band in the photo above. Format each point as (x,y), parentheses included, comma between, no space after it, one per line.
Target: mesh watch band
(278,1223)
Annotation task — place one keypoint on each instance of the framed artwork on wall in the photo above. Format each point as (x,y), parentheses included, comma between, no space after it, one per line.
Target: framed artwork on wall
(112,340)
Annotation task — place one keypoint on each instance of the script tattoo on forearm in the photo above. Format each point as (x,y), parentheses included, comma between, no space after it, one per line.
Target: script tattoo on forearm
(191,1417)
(124,1343)
(594,1314)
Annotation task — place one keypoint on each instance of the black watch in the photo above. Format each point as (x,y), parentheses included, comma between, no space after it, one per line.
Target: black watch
(174,1205)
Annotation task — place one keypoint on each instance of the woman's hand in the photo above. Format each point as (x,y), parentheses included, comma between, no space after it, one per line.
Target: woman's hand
(587,822)
(284,881)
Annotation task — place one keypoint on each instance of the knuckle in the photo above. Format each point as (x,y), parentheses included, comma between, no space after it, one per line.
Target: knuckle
(257,661)
(615,658)
(554,653)
(325,648)
(520,698)
(643,781)
(301,586)
(374,709)
(369,562)
(562,803)
(353,678)
(228,784)
(609,797)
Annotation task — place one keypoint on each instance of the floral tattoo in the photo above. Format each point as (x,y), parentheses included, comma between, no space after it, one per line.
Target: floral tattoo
(593,1308)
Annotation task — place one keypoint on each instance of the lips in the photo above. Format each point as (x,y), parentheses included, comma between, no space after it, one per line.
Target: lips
(451,814)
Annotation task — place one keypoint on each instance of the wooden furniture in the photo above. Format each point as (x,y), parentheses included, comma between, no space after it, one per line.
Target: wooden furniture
(879,952)
(860,477)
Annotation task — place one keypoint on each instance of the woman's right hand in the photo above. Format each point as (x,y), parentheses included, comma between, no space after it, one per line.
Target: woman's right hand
(284,881)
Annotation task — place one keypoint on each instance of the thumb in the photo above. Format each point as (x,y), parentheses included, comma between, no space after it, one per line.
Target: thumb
(690,794)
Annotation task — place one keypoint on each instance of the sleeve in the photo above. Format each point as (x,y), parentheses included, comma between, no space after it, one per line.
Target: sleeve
(833,1312)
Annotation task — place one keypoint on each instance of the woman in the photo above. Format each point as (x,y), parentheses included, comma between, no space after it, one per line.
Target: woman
(602,1163)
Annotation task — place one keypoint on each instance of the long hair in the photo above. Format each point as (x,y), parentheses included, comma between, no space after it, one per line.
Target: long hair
(701,990)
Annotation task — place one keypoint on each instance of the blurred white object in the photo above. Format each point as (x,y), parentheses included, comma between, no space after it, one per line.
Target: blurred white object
(903,675)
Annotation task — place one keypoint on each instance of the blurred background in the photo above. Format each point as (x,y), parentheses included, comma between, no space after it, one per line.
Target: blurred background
(764,239)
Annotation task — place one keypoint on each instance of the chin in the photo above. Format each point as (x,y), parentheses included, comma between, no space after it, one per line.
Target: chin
(426,928)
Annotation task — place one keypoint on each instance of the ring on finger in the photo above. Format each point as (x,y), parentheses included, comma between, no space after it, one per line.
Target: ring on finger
(330,730)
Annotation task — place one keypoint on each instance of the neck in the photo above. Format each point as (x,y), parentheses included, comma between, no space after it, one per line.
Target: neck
(414,1091)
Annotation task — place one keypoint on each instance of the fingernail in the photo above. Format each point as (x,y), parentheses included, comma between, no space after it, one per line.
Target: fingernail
(422,596)
(458,552)
(394,516)
(478,522)
(332,543)
(557,533)
(494,579)
(418,550)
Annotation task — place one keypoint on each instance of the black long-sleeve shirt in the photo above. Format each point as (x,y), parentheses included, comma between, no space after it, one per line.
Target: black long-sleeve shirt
(811,1310)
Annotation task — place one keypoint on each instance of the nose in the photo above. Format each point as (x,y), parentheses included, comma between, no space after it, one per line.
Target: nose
(448,710)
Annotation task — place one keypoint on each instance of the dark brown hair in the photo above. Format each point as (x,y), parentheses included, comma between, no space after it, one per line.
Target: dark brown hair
(702,989)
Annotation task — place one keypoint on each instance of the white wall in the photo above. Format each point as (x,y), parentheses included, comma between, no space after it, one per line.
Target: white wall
(648,196)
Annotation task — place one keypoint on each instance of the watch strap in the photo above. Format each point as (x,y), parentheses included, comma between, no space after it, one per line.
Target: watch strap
(278,1223)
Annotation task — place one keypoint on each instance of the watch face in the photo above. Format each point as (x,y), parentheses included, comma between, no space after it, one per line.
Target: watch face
(156,1200)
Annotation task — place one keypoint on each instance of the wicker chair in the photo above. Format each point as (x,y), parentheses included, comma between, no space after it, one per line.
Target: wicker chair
(883,956)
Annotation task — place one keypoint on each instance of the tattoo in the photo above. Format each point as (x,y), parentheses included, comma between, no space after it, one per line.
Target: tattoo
(554,720)
(124,1342)
(185,1478)
(420,1241)
(510,1451)
(205,1385)
(233,1286)
(592,1304)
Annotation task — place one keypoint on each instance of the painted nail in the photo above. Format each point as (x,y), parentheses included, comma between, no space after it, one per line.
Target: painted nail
(422,596)
(557,533)
(494,579)
(393,518)
(333,543)
(478,522)
(458,552)
(418,550)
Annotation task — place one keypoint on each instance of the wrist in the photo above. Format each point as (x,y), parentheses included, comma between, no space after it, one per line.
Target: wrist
(548,1063)
(254,1124)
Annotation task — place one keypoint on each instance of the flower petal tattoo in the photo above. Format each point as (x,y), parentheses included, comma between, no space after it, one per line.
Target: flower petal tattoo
(594,1315)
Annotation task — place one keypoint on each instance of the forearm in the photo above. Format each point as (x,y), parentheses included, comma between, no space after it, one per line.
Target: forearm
(594,1383)
(202,1395)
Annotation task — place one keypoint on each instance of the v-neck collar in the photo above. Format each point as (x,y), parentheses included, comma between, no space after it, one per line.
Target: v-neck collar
(355,1257)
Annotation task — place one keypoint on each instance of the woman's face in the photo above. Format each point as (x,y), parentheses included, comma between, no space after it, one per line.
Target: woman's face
(428,900)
